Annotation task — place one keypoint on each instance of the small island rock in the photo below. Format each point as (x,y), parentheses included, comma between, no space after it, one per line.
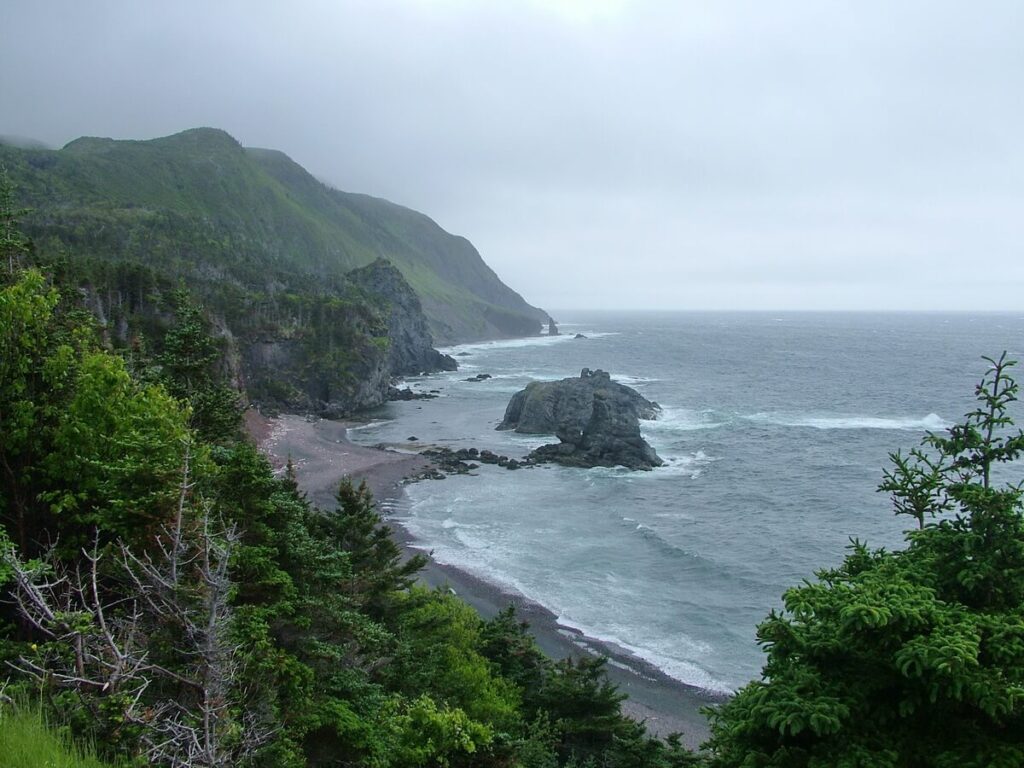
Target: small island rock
(595,418)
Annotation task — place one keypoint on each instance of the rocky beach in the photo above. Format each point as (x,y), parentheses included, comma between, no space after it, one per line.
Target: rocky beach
(322,454)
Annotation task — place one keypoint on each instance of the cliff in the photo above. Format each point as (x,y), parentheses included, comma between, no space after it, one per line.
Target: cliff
(410,344)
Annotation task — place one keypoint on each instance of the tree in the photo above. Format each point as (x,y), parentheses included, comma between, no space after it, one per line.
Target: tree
(907,658)
(13,243)
(155,667)
(189,364)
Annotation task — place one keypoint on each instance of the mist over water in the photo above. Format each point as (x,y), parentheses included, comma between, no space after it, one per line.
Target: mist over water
(775,429)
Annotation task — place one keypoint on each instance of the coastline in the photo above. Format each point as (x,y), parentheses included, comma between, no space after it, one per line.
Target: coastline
(321,454)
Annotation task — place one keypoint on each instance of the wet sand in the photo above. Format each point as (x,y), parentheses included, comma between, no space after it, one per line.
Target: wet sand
(322,454)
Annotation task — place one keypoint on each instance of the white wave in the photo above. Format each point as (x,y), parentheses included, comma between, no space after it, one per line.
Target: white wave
(688,465)
(932,422)
(489,346)
(632,381)
(527,341)
(369,425)
(684,671)
(673,419)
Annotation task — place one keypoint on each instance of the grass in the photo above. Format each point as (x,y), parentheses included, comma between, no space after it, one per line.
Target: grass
(28,741)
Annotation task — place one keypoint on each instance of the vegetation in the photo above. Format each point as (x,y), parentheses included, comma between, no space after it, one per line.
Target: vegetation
(28,741)
(250,225)
(909,658)
(176,603)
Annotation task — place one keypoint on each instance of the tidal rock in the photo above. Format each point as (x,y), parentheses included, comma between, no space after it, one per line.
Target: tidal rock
(610,438)
(548,407)
(552,328)
(579,336)
(394,393)
(479,377)
(596,420)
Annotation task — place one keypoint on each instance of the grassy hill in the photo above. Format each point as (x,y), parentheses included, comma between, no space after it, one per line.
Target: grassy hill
(200,207)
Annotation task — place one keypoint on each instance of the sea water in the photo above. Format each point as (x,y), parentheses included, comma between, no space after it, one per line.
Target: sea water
(775,429)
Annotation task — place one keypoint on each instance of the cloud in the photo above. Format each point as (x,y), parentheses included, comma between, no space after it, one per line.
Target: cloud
(598,153)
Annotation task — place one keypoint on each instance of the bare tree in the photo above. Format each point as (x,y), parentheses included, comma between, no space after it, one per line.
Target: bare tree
(99,645)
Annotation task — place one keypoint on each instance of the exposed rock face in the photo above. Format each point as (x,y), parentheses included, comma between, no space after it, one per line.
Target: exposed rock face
(549,407)
(552,328)
(344,367)
(411,347)
(611,438)
(595,418)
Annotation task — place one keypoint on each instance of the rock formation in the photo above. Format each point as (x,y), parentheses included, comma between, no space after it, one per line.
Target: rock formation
(548,407)
(410,345)
(595,419)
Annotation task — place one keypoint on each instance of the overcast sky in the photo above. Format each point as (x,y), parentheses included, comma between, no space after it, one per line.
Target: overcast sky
(724,154)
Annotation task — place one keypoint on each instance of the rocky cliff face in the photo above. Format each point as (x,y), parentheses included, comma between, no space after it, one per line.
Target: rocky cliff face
(410,345)
(349,361)
(331,354)
(595,419)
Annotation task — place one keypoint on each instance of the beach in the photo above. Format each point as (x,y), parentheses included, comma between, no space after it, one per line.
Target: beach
(322,454)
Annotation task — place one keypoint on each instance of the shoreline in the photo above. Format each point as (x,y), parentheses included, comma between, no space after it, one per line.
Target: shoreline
(322,454)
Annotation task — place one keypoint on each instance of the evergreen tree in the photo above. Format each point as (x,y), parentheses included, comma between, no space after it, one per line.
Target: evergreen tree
(908,658)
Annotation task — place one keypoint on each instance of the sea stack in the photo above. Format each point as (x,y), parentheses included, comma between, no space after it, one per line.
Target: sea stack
(595,419)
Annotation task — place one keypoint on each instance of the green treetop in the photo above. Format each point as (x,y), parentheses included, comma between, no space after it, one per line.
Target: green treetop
(909,658)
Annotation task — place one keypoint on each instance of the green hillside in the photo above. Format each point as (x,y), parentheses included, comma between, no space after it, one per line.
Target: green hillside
(200,207)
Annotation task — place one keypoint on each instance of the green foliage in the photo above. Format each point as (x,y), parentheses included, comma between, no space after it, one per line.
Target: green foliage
(320,635)
(909,658)
(189,362)
(28,741)
(439,655)
(202,208)
(13,244)
(124,445)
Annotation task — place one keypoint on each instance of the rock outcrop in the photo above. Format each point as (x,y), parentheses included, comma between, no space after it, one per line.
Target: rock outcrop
(611,438)
(548,407)
(349,360)
(595,419)
(410,345)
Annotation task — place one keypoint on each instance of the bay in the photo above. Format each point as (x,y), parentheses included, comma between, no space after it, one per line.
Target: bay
(775,429)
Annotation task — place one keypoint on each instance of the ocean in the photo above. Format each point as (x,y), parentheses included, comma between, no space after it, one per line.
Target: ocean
(775,429)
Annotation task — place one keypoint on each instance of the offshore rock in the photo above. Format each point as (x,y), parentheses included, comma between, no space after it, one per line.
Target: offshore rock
(548,407)
(611,438)
(596,420)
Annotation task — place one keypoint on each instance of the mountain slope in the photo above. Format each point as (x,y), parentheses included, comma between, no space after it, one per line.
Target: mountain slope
(201,206)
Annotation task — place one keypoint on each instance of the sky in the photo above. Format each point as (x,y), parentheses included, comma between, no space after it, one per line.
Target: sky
(618,154)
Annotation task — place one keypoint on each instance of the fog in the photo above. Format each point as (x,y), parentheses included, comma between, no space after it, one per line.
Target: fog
(665,155)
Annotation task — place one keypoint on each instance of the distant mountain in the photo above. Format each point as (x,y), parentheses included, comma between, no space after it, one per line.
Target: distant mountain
(199,206)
